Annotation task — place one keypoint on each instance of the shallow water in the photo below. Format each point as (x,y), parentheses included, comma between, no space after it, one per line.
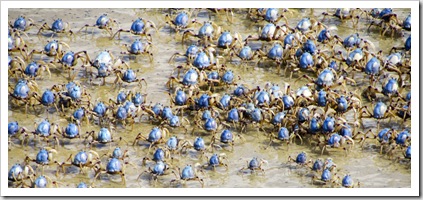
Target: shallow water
(365,165)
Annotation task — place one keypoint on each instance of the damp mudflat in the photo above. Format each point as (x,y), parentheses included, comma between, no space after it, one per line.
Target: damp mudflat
(366,165)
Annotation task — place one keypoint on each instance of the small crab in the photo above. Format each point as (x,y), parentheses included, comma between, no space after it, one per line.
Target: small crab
(25,92)
(192,78)
(268,14)
(105,63)
(41,181)
(52,49)
(139,48)
(44,130)
(254,165)
(325,178)
(103,22)
(301,159)
(128,76)
(335,141)
(269,32)
(114,166)
(284,135)
(199,145)
(44,157)
(82,160)
(160,155)
(226,137)
(139,27)
(33,69)
(18,174)
(157,135)
(15,43)
(58,26)
(380,111)
(187,174)
(22,23)
(216,161)
(181,21)
(207,33)
(71,131)
(70,59)
(104,136)
(159,169)
(190,54)
(348,182)
(344,14)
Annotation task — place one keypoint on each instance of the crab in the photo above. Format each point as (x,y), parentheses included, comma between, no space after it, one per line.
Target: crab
(18,174)
(326,178)
(275,54)
(193,78)
(344,14)
(44,157)
(117,153)
(181,21)
(41,181)
(52,49)
(139,27)
(406,47)
(15,43)
(104,136)
(124,115)
(128,76)
(83,159)
(187,174)
(84,185)
(269,32)
(301,159)
(390,88)
(215,161)
(225,78)
(70,59)
(22,24)
(199,145)
(245,53)
(380,111)
(103,22)
(159,169)
(25,92)
(58,26)
(156,136)
(387,20)
(114,166)
(226,137)
(32,69)
(159,155)
(254,165)
(71,94)
(283,135)
(335,141)
(71,131)
(327,78)
(139,48)
(348,182)
(100,110)
(228,41)
(190,54)
(14,130)
(268,14)
(174,122)
(207,33)
(105,63)
(43,130)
